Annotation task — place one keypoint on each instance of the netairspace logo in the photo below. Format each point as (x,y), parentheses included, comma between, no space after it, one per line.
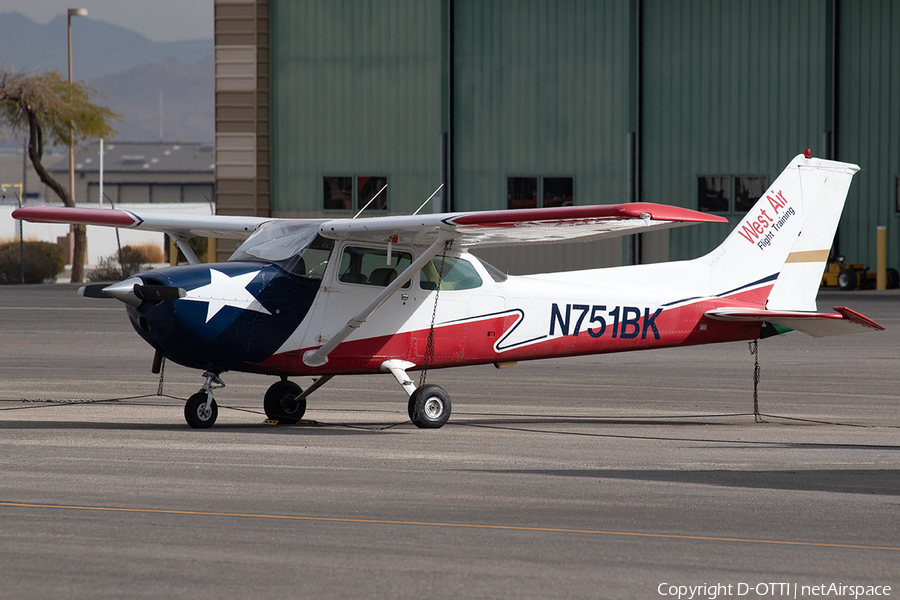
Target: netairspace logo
(771,590)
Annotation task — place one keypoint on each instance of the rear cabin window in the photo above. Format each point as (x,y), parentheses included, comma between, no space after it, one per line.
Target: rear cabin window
(370,266)
(453,273)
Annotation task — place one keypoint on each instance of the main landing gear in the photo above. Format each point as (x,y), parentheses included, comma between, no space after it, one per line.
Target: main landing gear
(429,405)
(283,402)
(428,408)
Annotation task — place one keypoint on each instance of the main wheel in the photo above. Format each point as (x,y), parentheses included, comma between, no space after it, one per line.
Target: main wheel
(847,279)
(197,414)
(429,407)
(281,403)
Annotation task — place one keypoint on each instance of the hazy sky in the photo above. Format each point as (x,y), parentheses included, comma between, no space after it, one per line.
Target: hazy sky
(158,20)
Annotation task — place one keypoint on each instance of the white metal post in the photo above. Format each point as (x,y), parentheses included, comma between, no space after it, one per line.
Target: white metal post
(101,173)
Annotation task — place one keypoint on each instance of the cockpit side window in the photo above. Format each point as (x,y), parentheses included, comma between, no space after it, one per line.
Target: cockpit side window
(454,274)
(313,261)
(371,266)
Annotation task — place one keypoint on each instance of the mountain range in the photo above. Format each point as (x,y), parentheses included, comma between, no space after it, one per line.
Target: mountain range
(142,80)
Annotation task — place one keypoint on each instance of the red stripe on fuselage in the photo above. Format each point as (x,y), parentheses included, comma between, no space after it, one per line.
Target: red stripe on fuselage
(473,342)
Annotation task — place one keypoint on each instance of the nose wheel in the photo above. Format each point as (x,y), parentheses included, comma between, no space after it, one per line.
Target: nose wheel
(200,410)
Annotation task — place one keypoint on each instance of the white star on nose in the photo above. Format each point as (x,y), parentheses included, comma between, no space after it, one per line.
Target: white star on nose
(222,291)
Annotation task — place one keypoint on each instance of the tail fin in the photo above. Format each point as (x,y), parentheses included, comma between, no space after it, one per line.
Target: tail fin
(787,235)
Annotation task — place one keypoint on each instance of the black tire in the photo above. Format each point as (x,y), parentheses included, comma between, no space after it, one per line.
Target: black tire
(281,404)
(194,412)
(893,279)
(429,407)
(847,279)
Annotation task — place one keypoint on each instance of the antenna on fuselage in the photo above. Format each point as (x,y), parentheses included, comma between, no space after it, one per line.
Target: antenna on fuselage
(429,199)
(370,201)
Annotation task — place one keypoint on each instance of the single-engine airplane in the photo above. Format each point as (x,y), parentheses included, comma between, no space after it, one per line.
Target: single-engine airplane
(326,297)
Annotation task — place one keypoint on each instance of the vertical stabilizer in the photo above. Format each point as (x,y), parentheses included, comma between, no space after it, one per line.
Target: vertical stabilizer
(787,235)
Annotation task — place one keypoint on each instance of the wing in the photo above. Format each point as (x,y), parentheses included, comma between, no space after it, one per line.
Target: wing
(486,228)
(524,226)
(178,226)
(842,322)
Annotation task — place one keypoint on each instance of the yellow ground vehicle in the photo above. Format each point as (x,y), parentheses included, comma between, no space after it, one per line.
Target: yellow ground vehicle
(850,276)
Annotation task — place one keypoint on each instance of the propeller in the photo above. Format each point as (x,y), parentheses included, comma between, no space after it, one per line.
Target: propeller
(132,291)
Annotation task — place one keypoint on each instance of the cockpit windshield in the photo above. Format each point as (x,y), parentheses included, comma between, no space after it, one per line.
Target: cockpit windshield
(279,242)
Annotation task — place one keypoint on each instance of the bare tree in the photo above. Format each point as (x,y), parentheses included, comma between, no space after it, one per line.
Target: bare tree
(51,110)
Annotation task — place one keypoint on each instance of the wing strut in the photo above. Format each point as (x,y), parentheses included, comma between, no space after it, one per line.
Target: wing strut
(182,241)
(318,357)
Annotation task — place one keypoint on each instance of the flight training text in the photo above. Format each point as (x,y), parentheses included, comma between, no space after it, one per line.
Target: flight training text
(754,229)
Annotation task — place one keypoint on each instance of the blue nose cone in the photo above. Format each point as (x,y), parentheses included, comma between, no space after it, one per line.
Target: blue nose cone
(226,316)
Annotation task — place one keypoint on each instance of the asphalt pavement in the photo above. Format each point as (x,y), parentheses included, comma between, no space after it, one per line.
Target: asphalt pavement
(616,476)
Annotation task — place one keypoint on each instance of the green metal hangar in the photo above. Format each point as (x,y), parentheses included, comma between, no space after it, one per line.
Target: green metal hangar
(529,103)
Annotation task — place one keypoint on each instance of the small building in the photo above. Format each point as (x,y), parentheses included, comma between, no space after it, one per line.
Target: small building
(11,168)
(141,172)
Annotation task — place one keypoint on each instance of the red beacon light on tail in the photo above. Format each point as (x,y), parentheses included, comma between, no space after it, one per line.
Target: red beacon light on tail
(807,153)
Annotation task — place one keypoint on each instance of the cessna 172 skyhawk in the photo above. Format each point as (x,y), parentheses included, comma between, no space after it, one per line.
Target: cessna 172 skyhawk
(325,297)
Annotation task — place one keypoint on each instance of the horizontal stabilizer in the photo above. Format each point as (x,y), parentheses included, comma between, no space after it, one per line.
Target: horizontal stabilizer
(842,322)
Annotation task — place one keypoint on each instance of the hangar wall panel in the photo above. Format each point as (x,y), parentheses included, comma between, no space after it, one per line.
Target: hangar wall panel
(869,126)
(729,88)
(355,92)
(541,89)
(242,97)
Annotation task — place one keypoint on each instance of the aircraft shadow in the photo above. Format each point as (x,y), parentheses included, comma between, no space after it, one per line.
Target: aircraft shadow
(524,420)
(885,482)
(318,429)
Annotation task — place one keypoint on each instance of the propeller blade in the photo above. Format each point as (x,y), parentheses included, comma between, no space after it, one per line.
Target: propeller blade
(158,293)
(93,291)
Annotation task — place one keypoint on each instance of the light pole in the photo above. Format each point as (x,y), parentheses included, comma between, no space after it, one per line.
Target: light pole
(76,270)
(76,12)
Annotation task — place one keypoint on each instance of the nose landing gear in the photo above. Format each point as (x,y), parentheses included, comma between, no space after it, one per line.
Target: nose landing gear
(200,410)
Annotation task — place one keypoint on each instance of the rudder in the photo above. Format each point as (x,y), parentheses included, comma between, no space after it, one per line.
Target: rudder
(787,235)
